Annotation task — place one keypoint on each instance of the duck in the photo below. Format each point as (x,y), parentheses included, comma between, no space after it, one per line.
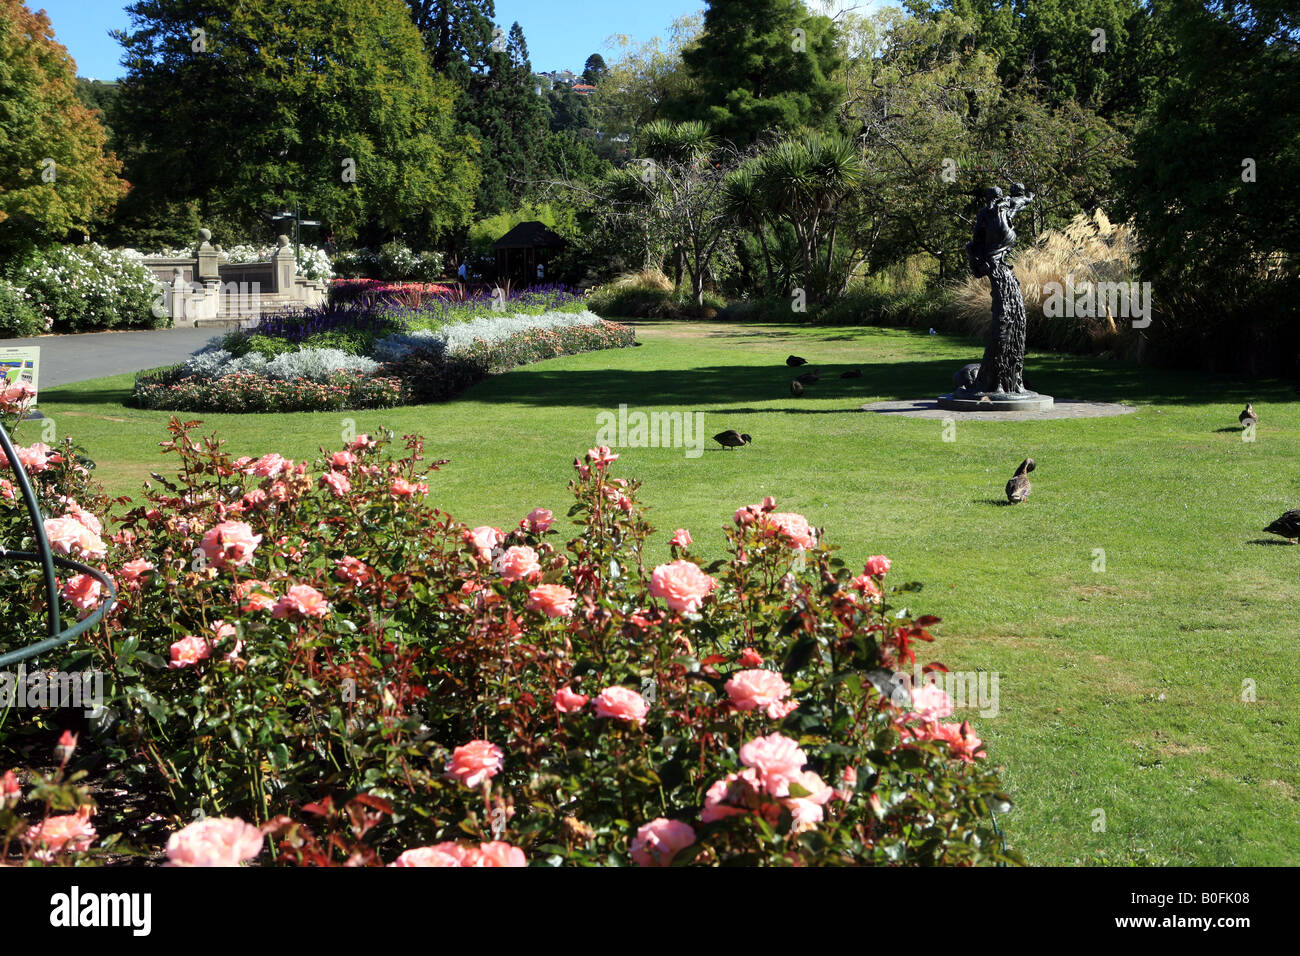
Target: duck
(1288,526)
(809,378)
(795,361)
(852,373)
(796,388)
(1018,487)
(1248,417)
(732,439)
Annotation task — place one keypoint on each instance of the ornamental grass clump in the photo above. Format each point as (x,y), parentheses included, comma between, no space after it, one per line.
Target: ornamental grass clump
(311,648)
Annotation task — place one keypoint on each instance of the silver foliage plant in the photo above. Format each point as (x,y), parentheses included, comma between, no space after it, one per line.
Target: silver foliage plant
(459,336)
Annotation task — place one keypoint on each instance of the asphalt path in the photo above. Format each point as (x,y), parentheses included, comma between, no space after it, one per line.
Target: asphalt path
(75,358)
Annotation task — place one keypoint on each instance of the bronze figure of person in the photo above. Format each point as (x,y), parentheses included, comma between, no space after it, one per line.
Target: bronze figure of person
(1002,367)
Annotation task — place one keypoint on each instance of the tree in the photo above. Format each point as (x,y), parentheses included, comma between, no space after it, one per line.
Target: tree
(1212,189)
(458,35)
(503,109)
(761,66)
(55,176)
(250,106)
(644,79)
(595,69)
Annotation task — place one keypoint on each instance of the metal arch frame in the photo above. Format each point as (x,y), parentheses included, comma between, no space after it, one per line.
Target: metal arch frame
(42,555)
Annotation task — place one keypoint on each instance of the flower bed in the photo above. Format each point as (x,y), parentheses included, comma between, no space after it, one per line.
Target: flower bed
(313,640)
(366,364)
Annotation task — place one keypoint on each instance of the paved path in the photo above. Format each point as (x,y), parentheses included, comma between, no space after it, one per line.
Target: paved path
(75,358)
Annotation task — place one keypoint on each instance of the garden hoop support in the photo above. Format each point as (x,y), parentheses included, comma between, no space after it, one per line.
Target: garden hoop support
(58,636)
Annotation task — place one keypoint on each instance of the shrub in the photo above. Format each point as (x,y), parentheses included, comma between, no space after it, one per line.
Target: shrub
(248,392)
(291,635)
(650,294)
(19,318)
(88,287)
(393,261)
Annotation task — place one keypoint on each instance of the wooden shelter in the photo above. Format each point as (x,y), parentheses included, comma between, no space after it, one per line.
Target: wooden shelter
(524,248)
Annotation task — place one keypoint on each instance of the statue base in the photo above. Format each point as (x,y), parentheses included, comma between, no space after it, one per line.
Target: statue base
(966,400)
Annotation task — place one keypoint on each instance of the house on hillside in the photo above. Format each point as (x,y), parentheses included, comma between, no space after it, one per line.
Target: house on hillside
(524,254)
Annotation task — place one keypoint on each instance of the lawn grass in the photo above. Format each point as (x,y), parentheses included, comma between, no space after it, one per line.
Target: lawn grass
(1120,690)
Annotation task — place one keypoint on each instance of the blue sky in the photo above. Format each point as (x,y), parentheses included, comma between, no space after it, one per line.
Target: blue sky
(561,34)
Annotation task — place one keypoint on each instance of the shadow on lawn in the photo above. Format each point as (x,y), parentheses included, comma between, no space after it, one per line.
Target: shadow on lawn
(1062,376)
(71,395)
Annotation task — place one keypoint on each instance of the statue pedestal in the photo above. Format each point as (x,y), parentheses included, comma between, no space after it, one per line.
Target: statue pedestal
(965,400)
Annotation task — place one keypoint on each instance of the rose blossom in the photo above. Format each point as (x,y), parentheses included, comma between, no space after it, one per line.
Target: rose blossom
(189,650)
(230,544)
(657,842)
(474,762)
(215,841)
(681,538)
(807,811)
(440,854)
(750,658)
(132,571)
(361,442)
(269,466)
(70,831)
(867,585)
(929,703)
(341,459)
(401,488)
(567,700)
(682,585)
(734,795)
(338,483)
(538,521)
(517,563)
(792,528)
(601,457)
(11,790)
(303,600)
(621,703)
(497,853)
(353,570)
(553,600)
(878,565)
(67,535)
(257,594)
(760,690)
(777,759)
(485,539)
(960,738)
(81,592)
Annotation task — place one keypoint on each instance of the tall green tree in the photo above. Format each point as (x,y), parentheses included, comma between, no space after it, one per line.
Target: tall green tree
(761,66)
(458,34)
(55,175)
(1213,187)
(249,106)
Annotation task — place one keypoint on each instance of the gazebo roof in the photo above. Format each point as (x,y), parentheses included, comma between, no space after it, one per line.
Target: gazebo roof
(529,234)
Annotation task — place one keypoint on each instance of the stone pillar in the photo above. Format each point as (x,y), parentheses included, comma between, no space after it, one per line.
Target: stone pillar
(285,267)
(177,300)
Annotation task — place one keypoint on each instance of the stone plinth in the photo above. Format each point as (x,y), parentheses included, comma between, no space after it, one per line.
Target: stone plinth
(968,400)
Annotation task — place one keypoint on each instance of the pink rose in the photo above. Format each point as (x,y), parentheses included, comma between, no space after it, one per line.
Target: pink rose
(807,811)
(71,832)
(474,762)
(440,854)
(568,701)
(302,600)
(539,521)
(553,600)
(769,503)
(215,841)
(760,690)
(657,842)
(734,795)
(484,539)
(230,544)
(867,585)
(517,564)
(269,466)
(256,595)
(601,457)
(132,571)
(777,760)
(337,483)
(622,704)
(69,536)
(11,792)
(36,458)
(342,459)
(497,853)
(750,658)
(189,650)
(960,738)
(86,519)
(352,570)
(361,442)
(81,592)
(402,488)
(682,585)
(929,703)
(681,538)
(793,529)
(878,565)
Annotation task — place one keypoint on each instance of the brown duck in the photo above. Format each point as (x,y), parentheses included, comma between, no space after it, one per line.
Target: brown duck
(1248,417)
(732,439)
(1018,487)
(795,361)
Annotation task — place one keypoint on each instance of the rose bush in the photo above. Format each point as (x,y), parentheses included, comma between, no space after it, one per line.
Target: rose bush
(475,697)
